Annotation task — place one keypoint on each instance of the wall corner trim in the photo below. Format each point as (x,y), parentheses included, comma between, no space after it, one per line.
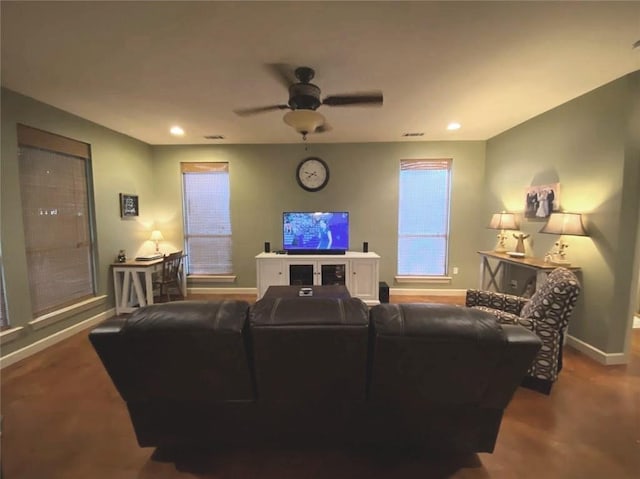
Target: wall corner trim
(607,359)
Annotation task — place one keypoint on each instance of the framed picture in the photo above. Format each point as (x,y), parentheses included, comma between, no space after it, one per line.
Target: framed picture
(541,201)
(128,205)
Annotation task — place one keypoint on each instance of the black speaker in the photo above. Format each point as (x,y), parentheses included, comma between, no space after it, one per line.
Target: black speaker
(267,247)
(365,247)
(383,292)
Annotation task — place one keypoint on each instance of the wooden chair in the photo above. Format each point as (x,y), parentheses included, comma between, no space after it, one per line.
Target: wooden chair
(170,274)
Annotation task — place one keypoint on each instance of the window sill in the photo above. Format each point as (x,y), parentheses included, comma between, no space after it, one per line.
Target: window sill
(65,313)
(211,278)
(423,279)
(10,335)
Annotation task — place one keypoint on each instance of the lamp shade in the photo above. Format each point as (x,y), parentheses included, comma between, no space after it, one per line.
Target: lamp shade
(564,224)
(156,236)
(503,221)
(304,121)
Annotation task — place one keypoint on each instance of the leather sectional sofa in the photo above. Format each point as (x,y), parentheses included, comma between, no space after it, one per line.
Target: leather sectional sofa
(314,371)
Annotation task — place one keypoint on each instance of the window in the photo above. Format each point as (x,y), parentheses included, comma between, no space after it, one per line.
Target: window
(423,217)
(56,218)
(4,322)
(207,218)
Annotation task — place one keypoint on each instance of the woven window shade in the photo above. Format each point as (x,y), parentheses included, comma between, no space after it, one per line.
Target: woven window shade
(207,218)
(3,313)
(58,243)
(423,217)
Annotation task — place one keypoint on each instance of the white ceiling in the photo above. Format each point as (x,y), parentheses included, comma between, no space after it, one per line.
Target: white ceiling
(141,67)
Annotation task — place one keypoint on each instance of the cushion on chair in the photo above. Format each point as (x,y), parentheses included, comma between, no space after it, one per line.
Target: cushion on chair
(554,300)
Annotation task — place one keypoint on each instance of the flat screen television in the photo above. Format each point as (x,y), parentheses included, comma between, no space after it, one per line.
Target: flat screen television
(320,232)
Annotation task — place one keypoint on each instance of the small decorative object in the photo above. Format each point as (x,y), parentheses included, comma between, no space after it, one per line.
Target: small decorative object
(122,256)
(542,200)
(128,205)
(156,236)
(563,224)
(520,246)
(502,221)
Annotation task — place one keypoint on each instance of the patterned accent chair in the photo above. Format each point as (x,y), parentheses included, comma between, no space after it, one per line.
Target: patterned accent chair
(546,314)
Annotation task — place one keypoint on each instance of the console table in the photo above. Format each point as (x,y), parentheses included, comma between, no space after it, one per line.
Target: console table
(494,266)
(133,286)
(359,272)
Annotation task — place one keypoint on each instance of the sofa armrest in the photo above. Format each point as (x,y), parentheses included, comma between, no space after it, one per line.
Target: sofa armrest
(521,349)
(490,299)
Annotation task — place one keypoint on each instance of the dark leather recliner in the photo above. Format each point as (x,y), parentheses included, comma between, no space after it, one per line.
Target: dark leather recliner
(180,367)
(442,375)
(305,370)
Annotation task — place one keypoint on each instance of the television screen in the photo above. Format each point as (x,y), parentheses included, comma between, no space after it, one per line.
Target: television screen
(321,230)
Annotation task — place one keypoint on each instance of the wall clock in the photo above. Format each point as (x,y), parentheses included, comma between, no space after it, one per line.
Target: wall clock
(312,174)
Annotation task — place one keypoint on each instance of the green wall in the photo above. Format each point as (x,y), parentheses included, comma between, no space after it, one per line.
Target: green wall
(589,146)
(363,181)
(119,164)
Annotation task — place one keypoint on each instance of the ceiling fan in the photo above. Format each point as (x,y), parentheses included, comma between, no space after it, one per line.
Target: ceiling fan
(304,99)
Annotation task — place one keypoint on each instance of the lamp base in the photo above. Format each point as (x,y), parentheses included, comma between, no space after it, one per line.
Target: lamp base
(560,262)
(558,259)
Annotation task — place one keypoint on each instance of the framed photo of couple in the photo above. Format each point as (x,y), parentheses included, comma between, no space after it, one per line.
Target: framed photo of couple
(542,200)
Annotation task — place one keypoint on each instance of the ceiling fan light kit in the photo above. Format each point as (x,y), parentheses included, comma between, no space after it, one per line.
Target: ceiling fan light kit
(304,121)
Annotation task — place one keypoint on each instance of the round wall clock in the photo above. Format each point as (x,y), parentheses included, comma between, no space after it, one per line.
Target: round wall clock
(312,174)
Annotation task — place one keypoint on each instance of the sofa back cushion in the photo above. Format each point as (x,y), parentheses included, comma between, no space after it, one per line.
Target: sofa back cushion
(187,350)
(312,349)
(433,353)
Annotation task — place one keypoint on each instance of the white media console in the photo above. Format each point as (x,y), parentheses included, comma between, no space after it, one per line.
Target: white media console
(359,272)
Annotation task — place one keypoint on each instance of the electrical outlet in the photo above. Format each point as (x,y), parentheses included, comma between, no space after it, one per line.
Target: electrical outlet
(514,284)
(455,270)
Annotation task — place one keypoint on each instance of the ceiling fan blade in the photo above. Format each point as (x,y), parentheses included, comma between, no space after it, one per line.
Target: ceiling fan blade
(323,128)
(260,109)
(283,73)
(364,98)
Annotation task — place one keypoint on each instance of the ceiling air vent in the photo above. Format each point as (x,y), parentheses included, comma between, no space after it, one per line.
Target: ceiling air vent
(413,134)
(214,137)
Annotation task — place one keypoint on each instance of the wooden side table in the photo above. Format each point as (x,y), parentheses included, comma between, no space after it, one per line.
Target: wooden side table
(494,266)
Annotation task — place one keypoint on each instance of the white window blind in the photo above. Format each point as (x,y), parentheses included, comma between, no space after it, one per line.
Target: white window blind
(423,217)
(56,219)
(207,217)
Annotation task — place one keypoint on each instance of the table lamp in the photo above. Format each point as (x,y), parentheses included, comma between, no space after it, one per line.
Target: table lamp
(502,221)
(563,224)
(156,236)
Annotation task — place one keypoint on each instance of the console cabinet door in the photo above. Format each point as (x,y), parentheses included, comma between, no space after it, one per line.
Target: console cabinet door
(270,273)
(332,273)
(364,279)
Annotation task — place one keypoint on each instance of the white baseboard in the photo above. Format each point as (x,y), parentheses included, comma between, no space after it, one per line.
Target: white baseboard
(427,292)
(636,322)
(44,343)
(222,291)
(608,359)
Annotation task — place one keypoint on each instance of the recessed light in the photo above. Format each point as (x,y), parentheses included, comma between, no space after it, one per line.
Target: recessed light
(453,126)
(176,131)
